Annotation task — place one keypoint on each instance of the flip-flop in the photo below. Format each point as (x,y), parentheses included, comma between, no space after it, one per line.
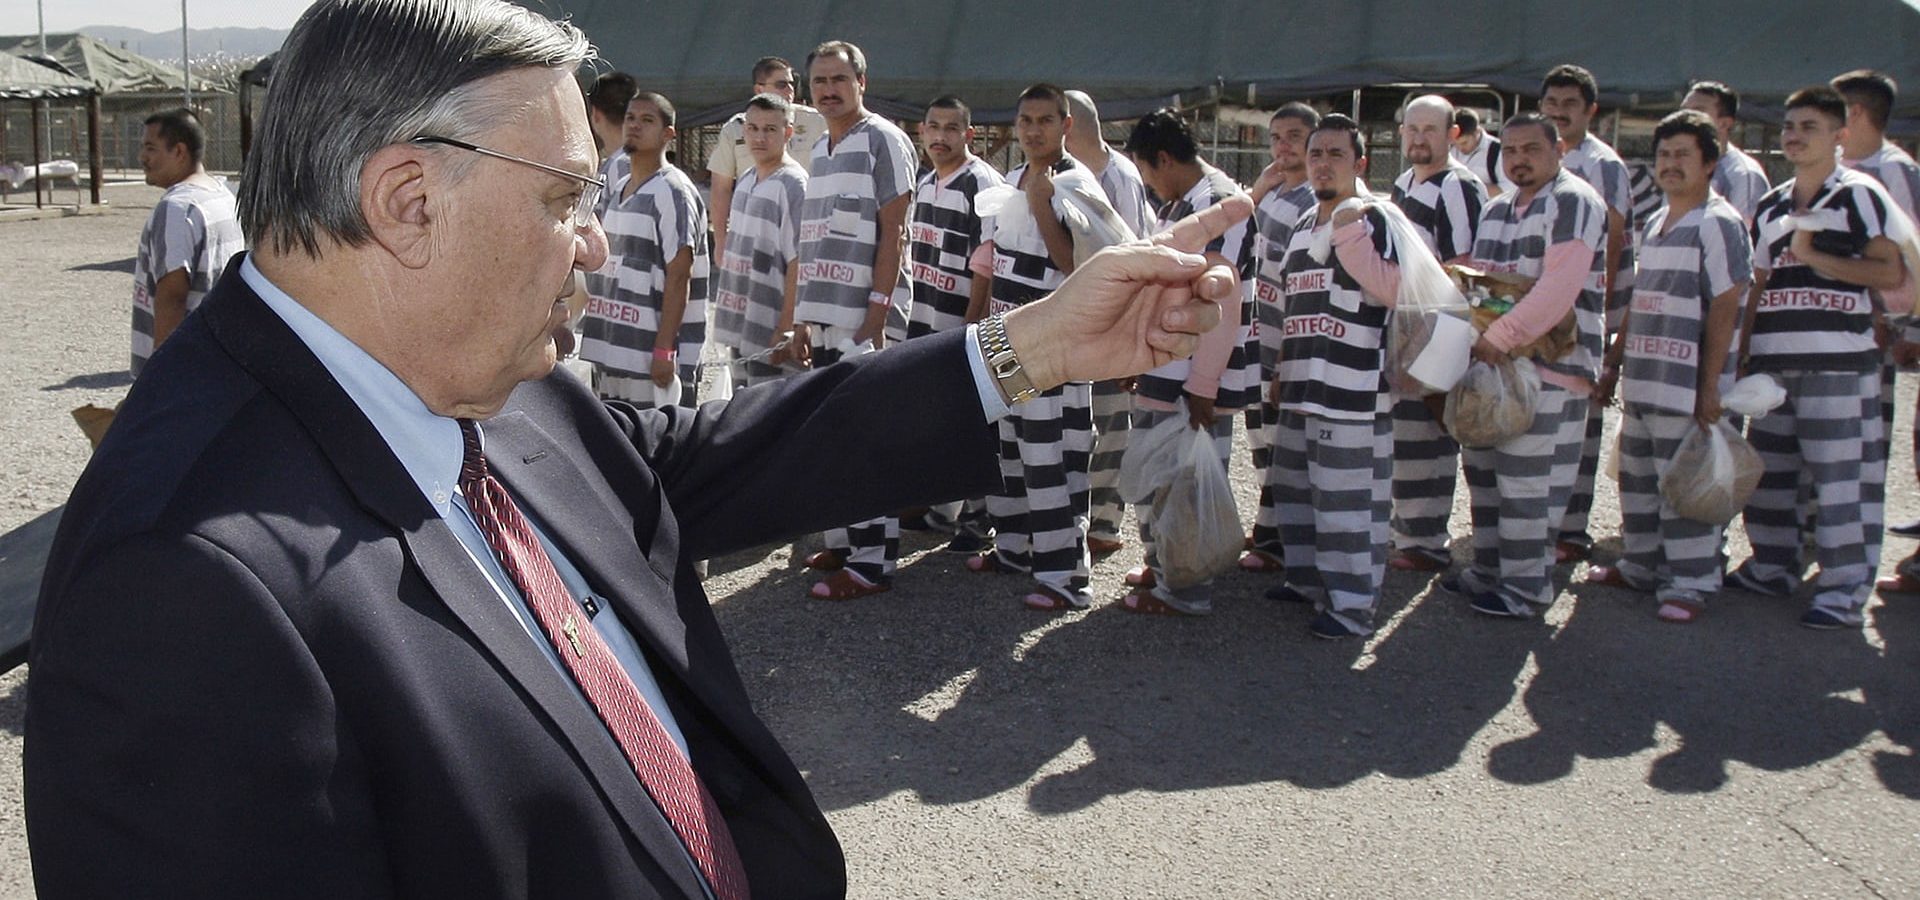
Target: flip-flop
(1146,604)
(1047,599)
(1679,612)
(1262,562)
(1099,546)
(988,562)
(1141,577)
(827,561)
(846,584)
(1608,576)
(1414,561)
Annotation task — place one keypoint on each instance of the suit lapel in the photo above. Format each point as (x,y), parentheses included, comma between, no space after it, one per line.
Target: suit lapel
(263,344)
(571,504)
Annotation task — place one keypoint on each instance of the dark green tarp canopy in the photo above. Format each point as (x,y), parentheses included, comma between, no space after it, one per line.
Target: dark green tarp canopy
(114,71)
(24,79)
(1131,55)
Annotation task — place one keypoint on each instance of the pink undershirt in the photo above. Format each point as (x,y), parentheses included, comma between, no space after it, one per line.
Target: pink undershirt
(1563,273)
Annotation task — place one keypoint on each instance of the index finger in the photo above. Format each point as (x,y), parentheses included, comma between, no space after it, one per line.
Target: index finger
(1195,232)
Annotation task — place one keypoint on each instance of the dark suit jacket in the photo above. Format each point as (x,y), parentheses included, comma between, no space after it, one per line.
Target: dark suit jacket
(262,667)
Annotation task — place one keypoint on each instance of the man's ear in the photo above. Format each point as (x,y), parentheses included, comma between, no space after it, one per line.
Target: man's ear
(393,199)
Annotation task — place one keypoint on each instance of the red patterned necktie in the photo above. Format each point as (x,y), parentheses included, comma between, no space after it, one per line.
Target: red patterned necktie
(656,760)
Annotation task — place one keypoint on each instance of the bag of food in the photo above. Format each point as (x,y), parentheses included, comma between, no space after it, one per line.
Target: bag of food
(1195,522)
(1712,475)
(1493,403)
(1429,341)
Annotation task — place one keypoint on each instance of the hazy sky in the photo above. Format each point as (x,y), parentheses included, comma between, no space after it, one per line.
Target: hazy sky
(164,15)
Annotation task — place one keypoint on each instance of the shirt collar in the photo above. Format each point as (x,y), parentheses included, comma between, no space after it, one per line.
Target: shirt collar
(428,445)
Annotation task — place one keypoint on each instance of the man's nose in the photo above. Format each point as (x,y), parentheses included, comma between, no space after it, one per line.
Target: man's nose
(590,246)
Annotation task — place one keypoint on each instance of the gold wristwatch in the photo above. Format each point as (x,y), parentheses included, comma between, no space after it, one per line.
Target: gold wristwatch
(1005,367)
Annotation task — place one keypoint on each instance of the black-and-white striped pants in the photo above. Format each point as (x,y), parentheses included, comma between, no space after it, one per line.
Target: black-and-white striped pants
(1830,428)
(1676,557)
(1333,486)
(1040,513)
(1112,419)
(1426,468)
(1518,489)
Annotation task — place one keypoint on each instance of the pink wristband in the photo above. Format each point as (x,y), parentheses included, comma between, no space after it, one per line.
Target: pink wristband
(669,355)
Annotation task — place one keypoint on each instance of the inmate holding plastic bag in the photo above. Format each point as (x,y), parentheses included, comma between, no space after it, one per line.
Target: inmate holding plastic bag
(1196,525)
(1493,403)
(1712,475)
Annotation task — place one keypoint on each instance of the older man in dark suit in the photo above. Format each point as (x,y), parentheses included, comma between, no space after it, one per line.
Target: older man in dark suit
(359,599)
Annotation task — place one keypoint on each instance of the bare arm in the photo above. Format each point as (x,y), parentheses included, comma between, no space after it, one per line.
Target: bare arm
(891,236)
(720,206)
(1039,189)
(673,308)
(169,304)
(1746,321)
(1722,312)
(1616,247)
(1878,267)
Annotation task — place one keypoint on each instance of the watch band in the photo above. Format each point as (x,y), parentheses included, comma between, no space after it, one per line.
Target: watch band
(1001,361)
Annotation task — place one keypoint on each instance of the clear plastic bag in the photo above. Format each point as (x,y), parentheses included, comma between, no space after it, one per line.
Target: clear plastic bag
(1712,475)
(1493,403)
(1754,396)
(1195,522)
(1429,340)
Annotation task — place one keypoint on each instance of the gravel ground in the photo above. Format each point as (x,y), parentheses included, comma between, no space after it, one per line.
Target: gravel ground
(965,747)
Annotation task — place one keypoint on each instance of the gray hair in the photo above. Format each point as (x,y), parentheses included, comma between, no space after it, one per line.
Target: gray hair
(358,75)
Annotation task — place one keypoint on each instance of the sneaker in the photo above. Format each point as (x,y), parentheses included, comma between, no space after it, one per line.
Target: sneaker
(967,544)
(1286,594)
(1490,604)
(1572,551)
(1824,620)
(1450,583)
(1905,529)
(1328,626)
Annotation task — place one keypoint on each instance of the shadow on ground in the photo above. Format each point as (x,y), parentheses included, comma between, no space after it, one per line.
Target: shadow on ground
(117,265)
(948,689)
(94,382)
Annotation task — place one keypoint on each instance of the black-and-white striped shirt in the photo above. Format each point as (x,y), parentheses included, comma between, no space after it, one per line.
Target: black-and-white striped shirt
(1273,222)
(1240,381)
(194,228)
(1445,207)
(1484,163)
(763,240)
(839,222)
(944,230)
(1683,266)
(1597,164)
(1740,178)
(1331,344)
(1514,240)
(1128,194)
(1023,270)
(645,231)
(1806,321)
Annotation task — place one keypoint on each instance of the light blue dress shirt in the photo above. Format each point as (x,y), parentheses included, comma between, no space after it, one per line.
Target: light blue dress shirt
(430,448)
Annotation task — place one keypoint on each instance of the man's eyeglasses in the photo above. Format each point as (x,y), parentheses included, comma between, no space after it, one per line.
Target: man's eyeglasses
(590,188)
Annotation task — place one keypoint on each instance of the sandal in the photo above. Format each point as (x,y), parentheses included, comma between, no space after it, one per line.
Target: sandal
(1048,599)
(827,560)
(1099,546)
(1571,551)
(1146,604)
(1416,561)
(1680,612)
(988,562)
(846,584)
(1141,577)
(1606,576)
(1262,562)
